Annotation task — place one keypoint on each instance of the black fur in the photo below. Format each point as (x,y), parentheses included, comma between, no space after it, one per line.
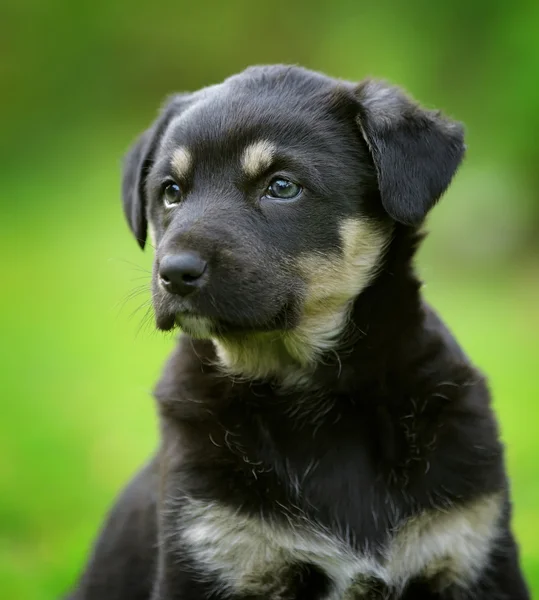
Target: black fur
(416,152)
(393,420)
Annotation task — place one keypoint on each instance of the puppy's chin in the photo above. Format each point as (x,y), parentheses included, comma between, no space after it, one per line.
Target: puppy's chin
(196,326)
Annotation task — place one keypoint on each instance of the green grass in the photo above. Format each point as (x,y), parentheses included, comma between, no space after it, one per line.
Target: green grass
(77,413)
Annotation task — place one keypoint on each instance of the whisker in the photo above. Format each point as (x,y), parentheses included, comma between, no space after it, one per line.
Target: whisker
(132,265)
(145,304)
(146,320)
(131,295)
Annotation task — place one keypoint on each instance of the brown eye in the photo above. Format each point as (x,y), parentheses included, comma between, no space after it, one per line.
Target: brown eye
(283,189)
(171,194)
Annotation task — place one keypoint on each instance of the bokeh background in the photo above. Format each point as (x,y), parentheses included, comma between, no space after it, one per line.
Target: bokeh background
(77,357)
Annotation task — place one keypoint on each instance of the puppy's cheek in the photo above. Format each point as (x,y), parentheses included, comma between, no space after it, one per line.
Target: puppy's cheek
(247,289)
(332,279)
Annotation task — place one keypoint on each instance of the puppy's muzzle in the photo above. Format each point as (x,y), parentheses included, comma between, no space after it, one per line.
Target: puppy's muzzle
(182,274)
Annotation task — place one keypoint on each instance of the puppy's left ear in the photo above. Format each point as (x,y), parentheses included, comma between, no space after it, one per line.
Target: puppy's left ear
(137,164)
(415,151)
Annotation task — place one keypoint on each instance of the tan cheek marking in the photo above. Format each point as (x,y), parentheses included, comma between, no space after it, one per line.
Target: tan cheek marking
(333,281)
(181,162)
(257,157)
(337,278)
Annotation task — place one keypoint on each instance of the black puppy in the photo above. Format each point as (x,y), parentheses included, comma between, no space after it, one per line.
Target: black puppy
(323,435)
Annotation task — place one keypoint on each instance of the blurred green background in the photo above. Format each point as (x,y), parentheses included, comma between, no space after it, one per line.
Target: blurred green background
(78,360)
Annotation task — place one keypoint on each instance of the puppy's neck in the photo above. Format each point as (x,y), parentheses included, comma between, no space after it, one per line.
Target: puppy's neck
(288,358)
(352,332)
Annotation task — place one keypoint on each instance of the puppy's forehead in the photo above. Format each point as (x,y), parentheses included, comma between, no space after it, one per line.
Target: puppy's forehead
(228,123)
(232,121)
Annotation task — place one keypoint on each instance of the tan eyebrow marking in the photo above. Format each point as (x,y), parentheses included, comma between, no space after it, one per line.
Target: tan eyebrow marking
(181,161)
(257,157)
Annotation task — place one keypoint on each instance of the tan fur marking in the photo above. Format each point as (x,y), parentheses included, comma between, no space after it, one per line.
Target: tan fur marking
(334,279)
(257,157)
(260,355)
(196,327)
(454,544)
(181,162)
(244,551)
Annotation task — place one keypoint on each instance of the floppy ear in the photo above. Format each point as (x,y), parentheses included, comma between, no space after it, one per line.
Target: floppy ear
(137,164)
(133,194)
(415,151)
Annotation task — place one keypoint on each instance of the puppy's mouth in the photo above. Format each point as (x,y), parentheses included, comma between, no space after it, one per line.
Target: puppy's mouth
(202,327)
(199,325)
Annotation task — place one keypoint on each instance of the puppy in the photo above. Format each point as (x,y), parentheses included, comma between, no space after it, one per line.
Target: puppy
(323,436)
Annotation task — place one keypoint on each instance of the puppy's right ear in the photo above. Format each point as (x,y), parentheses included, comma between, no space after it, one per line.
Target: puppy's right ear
(137,164)
(415,151)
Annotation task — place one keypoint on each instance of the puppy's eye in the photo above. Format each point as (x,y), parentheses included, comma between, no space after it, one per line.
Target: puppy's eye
(283,189)
(171,194)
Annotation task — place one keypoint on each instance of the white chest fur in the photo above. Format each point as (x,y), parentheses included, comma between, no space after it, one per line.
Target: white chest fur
(252,555)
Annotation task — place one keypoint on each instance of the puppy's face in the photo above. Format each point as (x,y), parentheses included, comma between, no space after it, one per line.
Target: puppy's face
(260,192)
(271,197)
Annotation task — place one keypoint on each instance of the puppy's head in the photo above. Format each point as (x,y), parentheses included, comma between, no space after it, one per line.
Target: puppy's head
(270,198)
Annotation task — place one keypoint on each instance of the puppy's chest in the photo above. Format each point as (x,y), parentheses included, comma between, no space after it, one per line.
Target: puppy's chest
(264,557)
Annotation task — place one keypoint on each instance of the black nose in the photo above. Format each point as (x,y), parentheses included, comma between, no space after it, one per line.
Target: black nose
(181,274)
